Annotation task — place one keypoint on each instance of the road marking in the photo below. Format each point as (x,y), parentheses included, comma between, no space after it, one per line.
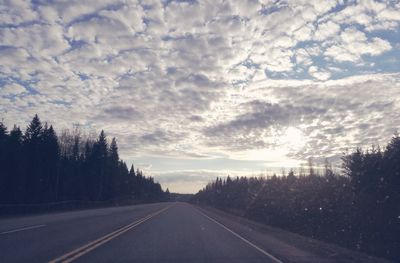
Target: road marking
(243,239)
(21,229)
(76,253)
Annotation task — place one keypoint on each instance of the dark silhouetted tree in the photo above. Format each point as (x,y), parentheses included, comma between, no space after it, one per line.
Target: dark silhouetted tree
(40,167)
(358,209)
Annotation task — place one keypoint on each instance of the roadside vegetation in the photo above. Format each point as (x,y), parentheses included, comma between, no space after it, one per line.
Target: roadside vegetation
(39,167)
(358,208)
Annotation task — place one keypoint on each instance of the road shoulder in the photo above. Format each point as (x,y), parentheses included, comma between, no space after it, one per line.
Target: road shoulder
(285,245)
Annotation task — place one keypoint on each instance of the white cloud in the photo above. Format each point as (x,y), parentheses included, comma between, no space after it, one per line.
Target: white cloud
(147,70)
(16,12)
(304,33)
(385,25)
(318,73)
(303,57)
(373,15)
(389,14)
(12,89)
(332,115)
(354,44)
(326,30)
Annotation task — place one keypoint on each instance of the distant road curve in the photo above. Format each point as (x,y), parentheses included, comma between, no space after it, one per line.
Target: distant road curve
(162,232)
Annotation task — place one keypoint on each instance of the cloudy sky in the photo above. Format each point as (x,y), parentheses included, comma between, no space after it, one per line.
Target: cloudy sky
(195,89)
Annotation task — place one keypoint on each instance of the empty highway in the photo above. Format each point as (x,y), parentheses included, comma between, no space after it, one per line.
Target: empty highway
(162,232)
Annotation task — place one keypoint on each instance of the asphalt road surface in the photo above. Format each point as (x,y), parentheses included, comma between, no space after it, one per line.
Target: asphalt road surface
(162,232)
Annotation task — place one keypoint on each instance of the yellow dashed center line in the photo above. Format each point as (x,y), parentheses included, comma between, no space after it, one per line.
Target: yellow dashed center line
(76,253)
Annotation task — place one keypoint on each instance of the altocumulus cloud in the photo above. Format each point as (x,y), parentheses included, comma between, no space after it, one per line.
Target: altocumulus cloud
(206,79)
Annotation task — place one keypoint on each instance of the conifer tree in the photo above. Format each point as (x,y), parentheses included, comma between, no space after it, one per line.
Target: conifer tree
(40,167)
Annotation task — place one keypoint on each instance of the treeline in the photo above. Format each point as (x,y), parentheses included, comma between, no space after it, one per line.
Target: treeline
(38,167)
(359,208)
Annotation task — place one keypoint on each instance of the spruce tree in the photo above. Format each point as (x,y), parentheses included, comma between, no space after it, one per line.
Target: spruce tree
(51,156)
(5,174)
(33,158)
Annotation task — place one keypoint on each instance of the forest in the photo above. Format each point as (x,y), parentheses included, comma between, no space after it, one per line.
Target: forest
(358,207)
(39,167)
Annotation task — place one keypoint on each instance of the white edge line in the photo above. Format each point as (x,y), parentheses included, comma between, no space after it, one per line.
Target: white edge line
(21,229)
(243,239)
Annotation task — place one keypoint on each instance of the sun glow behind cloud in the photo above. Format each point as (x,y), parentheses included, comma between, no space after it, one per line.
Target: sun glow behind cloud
(287,141)
(292,139)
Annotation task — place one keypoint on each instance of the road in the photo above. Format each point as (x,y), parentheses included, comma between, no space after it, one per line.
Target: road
(162,232)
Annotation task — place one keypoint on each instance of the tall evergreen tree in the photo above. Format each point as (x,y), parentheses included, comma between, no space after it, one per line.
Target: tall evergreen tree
(34,130)
(99,155)
(40,167)
(51,156)
(34,161)
(114,182)
(3,132)
(14,166)
(4,176)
